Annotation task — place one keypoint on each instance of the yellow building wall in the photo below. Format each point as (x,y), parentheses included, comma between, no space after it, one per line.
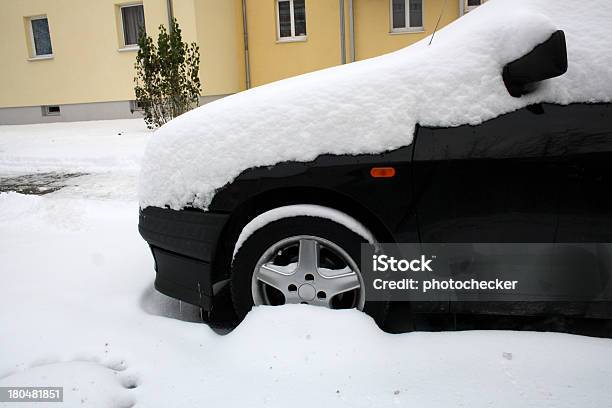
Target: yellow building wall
(220,37)
(373,34)
(272,60)
(89,67)
(86,67)
(86,37)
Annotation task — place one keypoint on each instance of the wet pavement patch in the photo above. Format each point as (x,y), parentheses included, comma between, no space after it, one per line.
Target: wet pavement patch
(36,183)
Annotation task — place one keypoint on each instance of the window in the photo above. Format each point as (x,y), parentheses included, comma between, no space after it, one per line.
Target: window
(472,4)
(132,18)
(41,39)
(406,15)
(291,19)
(136,106)
(51,110)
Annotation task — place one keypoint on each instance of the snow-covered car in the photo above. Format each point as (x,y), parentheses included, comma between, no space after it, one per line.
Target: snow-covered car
(499,130)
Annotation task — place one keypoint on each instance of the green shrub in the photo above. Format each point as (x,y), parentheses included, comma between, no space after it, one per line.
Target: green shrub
(167,81)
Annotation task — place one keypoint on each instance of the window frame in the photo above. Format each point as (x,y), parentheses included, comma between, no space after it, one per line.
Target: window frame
(33,53)
(293,37)
(125,46)
(407,28)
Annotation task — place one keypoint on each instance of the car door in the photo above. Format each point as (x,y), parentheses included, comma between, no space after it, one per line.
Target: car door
(583,147)
(487,183)
(490,183)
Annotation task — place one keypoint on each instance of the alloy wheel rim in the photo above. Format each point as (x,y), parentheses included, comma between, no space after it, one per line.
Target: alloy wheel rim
(307,269)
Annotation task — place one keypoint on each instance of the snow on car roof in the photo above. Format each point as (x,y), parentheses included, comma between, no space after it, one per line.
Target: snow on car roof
(373,105)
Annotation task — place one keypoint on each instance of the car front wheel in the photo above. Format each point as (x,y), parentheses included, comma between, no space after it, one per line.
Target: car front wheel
(301,259)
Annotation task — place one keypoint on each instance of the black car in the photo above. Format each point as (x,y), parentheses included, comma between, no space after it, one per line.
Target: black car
(539,174)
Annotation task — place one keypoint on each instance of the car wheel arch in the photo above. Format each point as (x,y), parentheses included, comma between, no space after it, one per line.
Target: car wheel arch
(274,198)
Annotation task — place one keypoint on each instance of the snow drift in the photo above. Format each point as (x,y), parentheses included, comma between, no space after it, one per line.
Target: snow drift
(372,106)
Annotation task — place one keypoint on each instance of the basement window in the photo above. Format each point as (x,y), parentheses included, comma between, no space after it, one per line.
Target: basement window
(40,36)
(51,110)
(291,20)
(472,4)
(132,21)
(406,16)
(136,106)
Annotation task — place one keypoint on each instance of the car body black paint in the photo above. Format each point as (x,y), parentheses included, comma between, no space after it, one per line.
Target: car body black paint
(487,183)
(539,174)
(346,177)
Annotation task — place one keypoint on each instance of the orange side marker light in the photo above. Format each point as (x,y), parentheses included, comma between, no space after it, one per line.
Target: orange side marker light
(382,172)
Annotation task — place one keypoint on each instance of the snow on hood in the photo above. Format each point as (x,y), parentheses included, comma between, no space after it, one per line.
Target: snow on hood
(373,105)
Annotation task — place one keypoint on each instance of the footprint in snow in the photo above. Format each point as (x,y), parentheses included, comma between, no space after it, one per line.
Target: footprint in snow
(85,383)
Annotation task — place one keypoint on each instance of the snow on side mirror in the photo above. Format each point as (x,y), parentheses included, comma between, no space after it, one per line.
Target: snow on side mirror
(545,61)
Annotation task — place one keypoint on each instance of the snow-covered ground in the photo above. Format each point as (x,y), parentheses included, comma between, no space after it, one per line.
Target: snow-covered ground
(108,152)
(78,310)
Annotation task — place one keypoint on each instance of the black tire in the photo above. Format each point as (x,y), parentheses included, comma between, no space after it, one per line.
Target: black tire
(255,246)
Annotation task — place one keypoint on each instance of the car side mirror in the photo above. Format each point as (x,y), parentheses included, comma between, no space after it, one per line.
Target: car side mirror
(545,61)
